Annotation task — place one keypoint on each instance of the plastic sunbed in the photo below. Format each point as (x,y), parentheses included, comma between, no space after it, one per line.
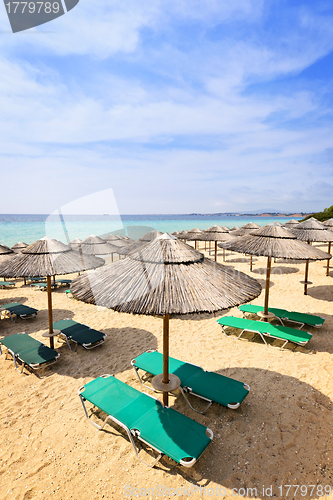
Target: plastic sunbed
(29,351)
(144,417)
(6,284)
(264,329)
(79,334)
(210,386)
(63,282)
(284,315)
(20,310)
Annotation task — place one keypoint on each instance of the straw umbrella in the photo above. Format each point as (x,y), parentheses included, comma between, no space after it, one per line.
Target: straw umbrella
(75,244)
(215,233)
(291,223)
(94,245)
(328,224)
(274,241)
(242,231)
(311,230)
(192,235)
(47,257)
(165,277)
(18,247)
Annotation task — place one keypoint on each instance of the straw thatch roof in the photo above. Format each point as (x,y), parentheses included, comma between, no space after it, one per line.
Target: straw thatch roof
(75,244)
(47,257)
(193,234)
(5,250)
(114,237)
(291,223)
(215,233)
(275,241)
(166,276)
(312,230)
(94,245)
(250,225)
(146,238)
(19,246)
(328,224)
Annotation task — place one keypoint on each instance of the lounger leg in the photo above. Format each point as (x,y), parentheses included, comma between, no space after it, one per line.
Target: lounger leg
(187,401)
(87,416)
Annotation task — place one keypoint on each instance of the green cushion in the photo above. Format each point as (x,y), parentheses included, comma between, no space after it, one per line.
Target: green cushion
(81,334)
(281,332)
(21,310)
(38,355)
(11,304)
(152,362)
(172,433)
(241,323)
(216,387)
(19,342)
(64,323)
(307,319)
(29,350)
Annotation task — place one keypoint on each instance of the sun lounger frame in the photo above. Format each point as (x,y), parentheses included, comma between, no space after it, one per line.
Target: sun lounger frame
(87,346)
(22,316)
(263,335)
(134,433)
(33,366)
(186,390)
(283,318)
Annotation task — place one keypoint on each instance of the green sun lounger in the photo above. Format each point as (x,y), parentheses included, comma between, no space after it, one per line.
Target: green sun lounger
(6,284)
(19,310)
(209,386)
(265,329)
(28,351)
(80,334)
(284,315)
(144,417)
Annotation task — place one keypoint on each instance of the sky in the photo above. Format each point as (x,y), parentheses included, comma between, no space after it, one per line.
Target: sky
(177,106)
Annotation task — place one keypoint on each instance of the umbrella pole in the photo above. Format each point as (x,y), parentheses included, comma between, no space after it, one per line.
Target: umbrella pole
(251,263)
(328,260)
(306,277)
(223,254)
(215,251)
(49,306)
(165,357)
(268,277)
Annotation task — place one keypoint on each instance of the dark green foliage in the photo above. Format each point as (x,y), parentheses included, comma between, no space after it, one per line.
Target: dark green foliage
(326,214)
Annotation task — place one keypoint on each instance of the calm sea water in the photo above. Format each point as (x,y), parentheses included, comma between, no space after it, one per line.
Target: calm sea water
(29,228)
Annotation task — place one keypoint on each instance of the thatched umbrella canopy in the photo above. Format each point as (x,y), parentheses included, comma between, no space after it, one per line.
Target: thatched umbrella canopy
(114,237)
(215,233)
(94,245)
(250,225)
(234,228)
(274,241)
(291,223)
(75,244)
(192,235)
(18,247)
(5,250)
(311,230)
(48,257)
(144,240)
(328,224)
(165,277)
(175,233)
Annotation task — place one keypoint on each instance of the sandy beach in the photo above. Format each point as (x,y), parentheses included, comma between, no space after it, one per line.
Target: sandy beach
(281,435)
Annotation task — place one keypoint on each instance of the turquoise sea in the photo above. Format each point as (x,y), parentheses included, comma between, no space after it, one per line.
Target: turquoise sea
(29,228)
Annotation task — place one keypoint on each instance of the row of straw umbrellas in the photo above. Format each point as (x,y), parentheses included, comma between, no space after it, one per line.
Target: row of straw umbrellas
(161,276)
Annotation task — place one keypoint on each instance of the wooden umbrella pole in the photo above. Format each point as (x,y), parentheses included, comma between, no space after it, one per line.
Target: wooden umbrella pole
(268,277)
(251,263)
(306,277)
(223,254)
(165,357)
(215,251)
(328,260)
(49,306)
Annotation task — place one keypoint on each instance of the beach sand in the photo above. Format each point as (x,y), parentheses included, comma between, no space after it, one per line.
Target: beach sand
(281,434)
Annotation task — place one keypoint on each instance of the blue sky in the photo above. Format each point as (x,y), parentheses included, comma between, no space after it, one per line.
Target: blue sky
(178,106)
